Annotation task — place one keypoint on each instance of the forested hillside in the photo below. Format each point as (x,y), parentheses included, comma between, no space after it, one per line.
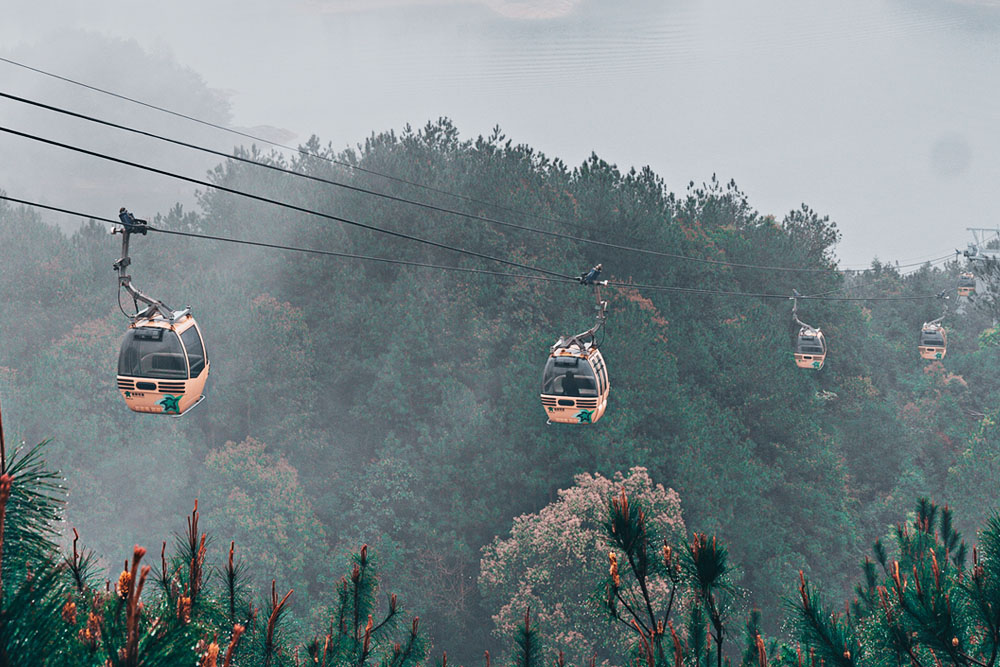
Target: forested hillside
(357,402)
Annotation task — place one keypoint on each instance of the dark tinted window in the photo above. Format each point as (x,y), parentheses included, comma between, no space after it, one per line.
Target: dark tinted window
(809,345)
(152,352)
(568,376)
(195,351)
(602,374)
(932,340)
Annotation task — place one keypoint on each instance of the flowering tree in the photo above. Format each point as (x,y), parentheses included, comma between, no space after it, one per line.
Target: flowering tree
(554,562)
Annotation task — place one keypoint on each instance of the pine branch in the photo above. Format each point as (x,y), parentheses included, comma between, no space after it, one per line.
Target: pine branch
(528,647)
(821,629)
(272,623)
(234,640)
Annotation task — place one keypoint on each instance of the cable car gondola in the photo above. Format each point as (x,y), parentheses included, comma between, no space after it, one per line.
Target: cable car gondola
(810,344)
(810,348)
(162,365)
(575,383)
(575,380)
(966,284)
(933,340)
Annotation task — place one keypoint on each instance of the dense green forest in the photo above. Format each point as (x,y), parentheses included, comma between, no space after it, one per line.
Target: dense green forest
(357,403)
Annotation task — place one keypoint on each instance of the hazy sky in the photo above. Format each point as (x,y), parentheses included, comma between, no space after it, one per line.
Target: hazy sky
(880,113)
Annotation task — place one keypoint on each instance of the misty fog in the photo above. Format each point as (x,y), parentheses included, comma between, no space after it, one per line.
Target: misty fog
(356,402)
(878,113)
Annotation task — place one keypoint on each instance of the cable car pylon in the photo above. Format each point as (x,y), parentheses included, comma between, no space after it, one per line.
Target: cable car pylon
(575,379)
(810,344)
(162,365)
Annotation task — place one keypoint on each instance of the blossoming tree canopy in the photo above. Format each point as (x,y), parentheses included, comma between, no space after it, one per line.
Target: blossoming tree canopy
(552,560)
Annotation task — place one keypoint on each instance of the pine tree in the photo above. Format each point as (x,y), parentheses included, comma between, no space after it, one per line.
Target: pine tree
(55,611)
(921,605)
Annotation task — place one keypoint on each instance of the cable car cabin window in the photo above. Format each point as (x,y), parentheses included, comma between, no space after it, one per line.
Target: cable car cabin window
(195,351)
(931,339)
(568,376)
(152,352)
(599,372)
(809,345)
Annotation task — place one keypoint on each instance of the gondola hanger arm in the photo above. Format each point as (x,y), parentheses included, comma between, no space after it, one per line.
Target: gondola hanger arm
(132,225)
(591,278)
(795,310)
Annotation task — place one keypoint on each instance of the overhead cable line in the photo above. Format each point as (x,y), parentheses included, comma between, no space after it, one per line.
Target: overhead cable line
(355,167)
(926,262)
(616,284)
(404,200)
(268,200)
(843,288)
(277,246)
(907,266)
(699,290)
(269,142)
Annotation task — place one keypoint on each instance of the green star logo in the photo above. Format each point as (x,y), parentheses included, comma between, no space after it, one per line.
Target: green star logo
(583,416)
(937,356)
(817,365)
(170,403)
